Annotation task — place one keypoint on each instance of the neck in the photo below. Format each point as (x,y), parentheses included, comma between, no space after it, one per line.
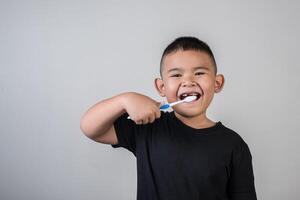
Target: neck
(198,121)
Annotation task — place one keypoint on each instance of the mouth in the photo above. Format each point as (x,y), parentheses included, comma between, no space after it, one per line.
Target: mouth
(184,95)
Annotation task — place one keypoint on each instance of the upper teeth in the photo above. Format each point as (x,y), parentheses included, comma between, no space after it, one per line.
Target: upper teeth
(190,94)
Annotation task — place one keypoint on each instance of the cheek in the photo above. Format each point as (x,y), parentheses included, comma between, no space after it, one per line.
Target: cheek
(171,87)
(207,84)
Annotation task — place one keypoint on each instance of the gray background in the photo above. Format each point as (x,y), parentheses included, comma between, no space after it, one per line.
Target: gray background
(58,58)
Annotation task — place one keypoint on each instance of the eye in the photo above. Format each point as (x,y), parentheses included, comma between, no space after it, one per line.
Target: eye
(176,75)
(199,73)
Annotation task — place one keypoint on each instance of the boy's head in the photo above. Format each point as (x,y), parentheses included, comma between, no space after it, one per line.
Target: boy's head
(188,67)
(185,44)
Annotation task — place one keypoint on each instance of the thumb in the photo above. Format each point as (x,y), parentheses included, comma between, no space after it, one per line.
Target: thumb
(160,103)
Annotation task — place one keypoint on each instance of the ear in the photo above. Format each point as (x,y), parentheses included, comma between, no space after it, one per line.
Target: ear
(219,83)
(159,86)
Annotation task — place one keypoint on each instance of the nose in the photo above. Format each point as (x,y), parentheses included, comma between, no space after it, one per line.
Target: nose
(188,83)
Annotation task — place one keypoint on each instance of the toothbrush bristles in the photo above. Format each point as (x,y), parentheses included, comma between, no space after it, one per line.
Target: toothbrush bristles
(190,98)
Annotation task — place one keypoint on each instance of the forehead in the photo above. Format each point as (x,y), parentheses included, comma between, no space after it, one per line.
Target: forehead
(186,60)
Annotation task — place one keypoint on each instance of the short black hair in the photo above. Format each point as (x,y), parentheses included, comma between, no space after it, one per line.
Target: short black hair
(188,43)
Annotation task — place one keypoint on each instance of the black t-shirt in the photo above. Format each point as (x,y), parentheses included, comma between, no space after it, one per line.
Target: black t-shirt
(178,162)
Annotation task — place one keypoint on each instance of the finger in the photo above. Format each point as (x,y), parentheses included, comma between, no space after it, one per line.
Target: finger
(157,114)
(159,103)
(152,118)
(138,122)
(145,121)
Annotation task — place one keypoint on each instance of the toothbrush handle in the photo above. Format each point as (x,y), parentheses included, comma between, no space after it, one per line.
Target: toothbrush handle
(175,103)
(166,106)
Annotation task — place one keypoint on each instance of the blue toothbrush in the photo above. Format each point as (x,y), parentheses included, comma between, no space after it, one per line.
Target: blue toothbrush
(168,105)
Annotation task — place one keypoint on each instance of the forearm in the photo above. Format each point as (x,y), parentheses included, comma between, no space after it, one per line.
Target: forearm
(101,116)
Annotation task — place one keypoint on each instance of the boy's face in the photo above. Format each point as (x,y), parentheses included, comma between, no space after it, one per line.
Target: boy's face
(189,72)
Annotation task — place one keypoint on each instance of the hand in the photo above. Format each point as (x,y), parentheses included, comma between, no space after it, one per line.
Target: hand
(140,108)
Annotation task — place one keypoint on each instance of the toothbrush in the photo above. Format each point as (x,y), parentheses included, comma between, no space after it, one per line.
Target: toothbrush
(168,105)
(186,99)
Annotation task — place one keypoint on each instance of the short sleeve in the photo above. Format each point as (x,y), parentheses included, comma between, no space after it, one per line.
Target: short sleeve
(241,181)
(125,130)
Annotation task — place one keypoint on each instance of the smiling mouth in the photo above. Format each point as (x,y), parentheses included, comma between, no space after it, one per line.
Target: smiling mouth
(184,95)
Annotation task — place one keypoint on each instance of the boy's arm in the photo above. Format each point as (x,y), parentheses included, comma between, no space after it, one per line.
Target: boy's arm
(241,182)
(98,122)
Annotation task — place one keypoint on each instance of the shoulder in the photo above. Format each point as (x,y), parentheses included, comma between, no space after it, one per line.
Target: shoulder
(234,137)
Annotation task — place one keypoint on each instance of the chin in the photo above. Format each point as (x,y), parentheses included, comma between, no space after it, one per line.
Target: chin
(189,113)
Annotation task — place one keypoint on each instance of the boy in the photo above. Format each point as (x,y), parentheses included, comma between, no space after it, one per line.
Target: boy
(181,155)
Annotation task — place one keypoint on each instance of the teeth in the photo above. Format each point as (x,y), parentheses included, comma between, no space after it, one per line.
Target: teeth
(190,94)
(182,96)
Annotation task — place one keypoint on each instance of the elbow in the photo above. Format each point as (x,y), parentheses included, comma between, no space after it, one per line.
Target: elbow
(84,128)
(88,130)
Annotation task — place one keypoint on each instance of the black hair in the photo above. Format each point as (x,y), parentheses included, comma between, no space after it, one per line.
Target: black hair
(188,43)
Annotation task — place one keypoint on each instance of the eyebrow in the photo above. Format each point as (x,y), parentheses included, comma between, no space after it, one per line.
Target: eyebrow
(180,69)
